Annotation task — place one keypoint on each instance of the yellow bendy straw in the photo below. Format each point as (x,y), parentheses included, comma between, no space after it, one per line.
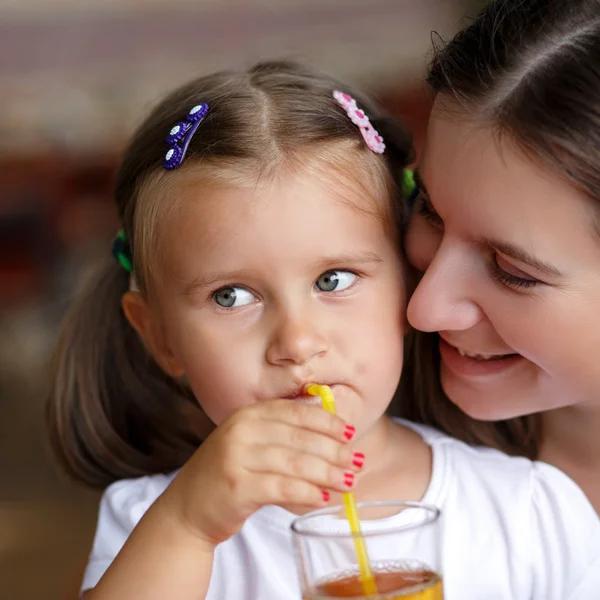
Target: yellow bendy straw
(366,576)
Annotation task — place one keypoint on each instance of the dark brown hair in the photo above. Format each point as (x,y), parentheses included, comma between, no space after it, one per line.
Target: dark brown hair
(112,412)
(529,69)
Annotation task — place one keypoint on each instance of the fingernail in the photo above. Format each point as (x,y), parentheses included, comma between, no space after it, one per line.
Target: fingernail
(358,460)
(325,496)
(349,479)
(349,432)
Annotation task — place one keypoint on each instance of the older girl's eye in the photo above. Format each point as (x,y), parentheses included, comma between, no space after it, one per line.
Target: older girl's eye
(233,297)
(337,281)
(510,275)
(426,210)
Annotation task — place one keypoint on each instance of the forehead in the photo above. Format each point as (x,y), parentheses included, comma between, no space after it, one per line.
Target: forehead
(466,158)
(290,217)
(483,185)
(463,160)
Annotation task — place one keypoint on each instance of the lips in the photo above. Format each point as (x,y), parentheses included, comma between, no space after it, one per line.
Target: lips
(477,354)
(476,364)
(298,392)
(480,356)
(304,399)
(300,395)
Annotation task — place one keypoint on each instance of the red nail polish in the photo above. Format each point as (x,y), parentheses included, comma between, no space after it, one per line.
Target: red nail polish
(325,496)
(348,479)
(349,432)
(358,460)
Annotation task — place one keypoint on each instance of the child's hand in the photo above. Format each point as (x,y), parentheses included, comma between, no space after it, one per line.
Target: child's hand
(274,452)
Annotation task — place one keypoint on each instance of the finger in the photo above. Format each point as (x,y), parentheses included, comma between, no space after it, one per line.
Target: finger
(300,465)
(276,489)
(307,416)
(284,436)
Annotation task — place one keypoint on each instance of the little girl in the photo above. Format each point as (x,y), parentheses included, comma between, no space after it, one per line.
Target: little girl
(261,217)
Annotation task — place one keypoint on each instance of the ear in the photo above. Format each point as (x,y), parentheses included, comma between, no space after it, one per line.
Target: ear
(147,325)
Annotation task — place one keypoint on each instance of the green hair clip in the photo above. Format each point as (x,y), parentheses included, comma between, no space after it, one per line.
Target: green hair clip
(409,185)
(122,251)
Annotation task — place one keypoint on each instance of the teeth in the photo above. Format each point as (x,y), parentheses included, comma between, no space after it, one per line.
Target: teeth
(479,356)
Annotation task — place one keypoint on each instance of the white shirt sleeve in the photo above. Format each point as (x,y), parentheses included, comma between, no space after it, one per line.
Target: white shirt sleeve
(589,586)
(121,507)
(565,538)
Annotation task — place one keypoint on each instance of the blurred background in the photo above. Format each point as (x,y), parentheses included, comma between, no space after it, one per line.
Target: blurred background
(76,76)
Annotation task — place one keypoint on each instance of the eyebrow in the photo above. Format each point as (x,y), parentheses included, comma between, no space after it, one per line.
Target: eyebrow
(327,262)
(510,250)
(521,255)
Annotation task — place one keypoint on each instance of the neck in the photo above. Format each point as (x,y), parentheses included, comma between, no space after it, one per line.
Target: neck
(571,435)
(571,442)
(397,465)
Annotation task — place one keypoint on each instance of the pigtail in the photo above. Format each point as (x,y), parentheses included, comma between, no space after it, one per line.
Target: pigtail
(111,410)
(399,154)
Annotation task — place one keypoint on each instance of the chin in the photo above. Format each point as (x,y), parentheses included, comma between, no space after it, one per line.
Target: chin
(483,408)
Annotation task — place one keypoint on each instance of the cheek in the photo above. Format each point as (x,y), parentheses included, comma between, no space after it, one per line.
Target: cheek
(558,336)
(422,242)
(217,362)
(379,337)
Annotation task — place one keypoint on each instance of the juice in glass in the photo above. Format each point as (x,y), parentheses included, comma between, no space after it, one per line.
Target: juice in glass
(391,585)
(402,540)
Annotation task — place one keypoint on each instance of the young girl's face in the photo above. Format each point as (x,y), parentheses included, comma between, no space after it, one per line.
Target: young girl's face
(511,255)
(267,288)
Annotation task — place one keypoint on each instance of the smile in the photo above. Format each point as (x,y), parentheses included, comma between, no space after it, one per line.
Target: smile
(480,356)
(469,364)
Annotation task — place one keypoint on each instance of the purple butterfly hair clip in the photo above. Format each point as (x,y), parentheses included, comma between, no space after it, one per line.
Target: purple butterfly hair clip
(180,136)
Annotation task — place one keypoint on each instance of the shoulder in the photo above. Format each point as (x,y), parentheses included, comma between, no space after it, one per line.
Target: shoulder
(462,461)
(540,515)
(122,505)
(565,531)
(126,501)
(537,486)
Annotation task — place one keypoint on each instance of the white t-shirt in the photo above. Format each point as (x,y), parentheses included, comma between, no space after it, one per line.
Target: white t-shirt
(511,529)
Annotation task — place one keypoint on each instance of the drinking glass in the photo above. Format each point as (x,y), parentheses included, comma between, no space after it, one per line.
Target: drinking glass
(402,540)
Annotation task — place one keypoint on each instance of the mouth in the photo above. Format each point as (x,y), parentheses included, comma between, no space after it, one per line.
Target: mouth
(484,356)
(304,399)
(301,395)
(469,363)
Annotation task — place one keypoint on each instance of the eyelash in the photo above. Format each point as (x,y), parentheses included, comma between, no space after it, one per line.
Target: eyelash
(512,281)
(426,211)
(358,275)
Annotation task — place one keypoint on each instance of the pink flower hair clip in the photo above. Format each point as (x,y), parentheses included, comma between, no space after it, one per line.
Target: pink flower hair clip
(359,118)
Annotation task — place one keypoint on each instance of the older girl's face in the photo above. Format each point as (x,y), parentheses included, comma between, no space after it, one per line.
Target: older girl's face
(511,283)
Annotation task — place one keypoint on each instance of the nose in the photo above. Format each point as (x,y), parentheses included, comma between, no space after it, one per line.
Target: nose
(296,340)
(443,299)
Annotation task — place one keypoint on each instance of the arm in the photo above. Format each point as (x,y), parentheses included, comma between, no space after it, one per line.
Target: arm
(274,452)
(161,559)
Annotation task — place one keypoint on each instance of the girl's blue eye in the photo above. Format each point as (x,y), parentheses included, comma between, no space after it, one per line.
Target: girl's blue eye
(335,281)
(232,297)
